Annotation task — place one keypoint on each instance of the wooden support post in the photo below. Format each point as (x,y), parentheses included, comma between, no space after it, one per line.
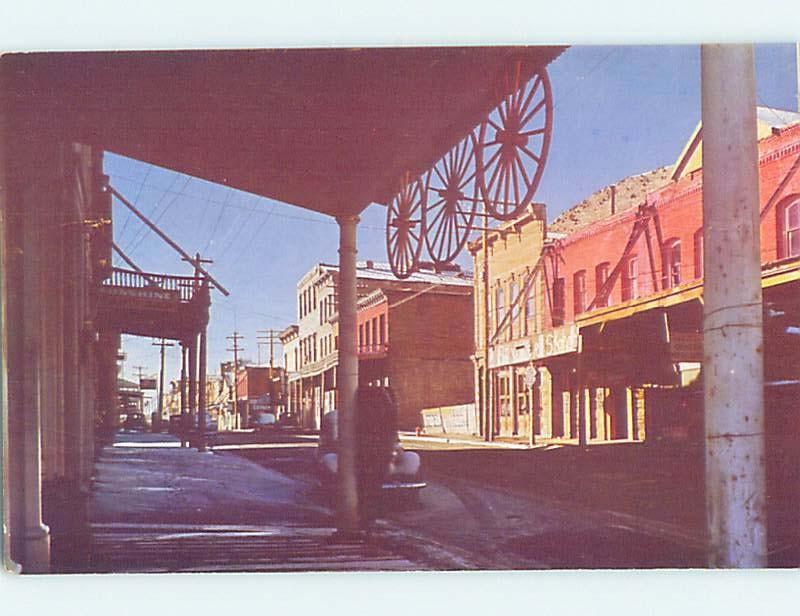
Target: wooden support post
(201,394)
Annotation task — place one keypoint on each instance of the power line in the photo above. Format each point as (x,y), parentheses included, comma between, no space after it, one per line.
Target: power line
(135,201)
(325,221)
(146,230)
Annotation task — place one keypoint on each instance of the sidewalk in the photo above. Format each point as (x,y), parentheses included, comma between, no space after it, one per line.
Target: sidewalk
(157,507)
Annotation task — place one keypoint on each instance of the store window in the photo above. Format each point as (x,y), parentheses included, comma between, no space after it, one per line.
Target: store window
(522,394)
(504,394)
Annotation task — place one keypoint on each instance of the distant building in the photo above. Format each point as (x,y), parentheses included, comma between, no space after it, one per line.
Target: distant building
(439,301)
(259,390)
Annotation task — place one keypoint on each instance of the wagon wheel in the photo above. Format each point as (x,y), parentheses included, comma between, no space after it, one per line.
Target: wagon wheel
(452,200)
(513,143)
(405,227)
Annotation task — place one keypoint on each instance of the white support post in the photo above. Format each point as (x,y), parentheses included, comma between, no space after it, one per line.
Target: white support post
(732,317)
(347,381)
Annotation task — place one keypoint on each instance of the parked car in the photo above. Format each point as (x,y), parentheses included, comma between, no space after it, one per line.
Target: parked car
(403,474)
(265,421)
(135,422)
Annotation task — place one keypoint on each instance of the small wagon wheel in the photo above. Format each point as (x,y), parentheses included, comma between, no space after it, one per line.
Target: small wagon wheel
(452,201)
(405,227)
(513,143)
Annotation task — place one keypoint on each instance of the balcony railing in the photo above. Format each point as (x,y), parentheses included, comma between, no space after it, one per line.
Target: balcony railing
(373,349)
(154,286)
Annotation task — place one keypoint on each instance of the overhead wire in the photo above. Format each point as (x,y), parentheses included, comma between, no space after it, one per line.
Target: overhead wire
(135,201)
(143,231)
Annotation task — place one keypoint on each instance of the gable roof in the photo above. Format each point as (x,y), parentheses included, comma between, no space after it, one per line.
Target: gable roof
(768,120)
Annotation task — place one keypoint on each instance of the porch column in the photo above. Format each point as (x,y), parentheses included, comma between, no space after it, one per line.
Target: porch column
(584,407)
(201,394)
(732,319)
(183,397)
(22,225)
(346,496)
(192,381)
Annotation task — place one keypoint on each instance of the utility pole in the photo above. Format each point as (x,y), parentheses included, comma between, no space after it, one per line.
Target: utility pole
(733,343)
(269,336)
(140,373)
(235,350)
(163,344)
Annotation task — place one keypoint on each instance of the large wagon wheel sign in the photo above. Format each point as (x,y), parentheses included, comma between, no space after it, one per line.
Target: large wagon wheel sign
(452,200)
(405,227)
(513,142)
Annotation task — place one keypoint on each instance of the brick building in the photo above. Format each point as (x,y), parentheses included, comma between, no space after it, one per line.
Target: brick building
(258,390)
(312,345)
(619,352)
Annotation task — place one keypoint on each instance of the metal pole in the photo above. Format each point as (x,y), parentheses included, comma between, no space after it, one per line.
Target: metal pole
(732,318)
(346,494)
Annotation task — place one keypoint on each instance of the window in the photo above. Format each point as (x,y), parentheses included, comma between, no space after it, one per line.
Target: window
(698,253)
(530,310)
(375,331)
(630,281)
(367,339)
(579,292)
(504,395)
(361,335)
(499,306)
(791,230)
(559,297)
(671,273)
(601,273)
(514,328)
(382,329)
(522,393)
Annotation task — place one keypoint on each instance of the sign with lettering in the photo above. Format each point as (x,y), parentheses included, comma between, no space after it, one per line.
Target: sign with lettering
(510,354)
(686,347)
(558,341)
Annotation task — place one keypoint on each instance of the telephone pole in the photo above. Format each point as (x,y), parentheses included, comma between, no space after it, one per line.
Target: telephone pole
(268,336)
(236,348)
(140,373)
(163,344)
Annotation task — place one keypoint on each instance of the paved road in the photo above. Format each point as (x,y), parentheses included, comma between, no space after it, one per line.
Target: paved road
(497,527)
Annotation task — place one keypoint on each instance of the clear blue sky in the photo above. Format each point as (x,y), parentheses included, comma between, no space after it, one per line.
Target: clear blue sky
(618,111)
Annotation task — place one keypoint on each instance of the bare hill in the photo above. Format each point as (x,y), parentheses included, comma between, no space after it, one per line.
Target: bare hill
(630,192)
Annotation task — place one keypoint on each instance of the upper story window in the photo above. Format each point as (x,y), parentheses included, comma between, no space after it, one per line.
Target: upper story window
(698,253)
(382,329)
(530,311)
(601,273)
(499,306)
(514,329)
(579,292)
(671,256)
(630,280)
(559,301)
(791,230)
